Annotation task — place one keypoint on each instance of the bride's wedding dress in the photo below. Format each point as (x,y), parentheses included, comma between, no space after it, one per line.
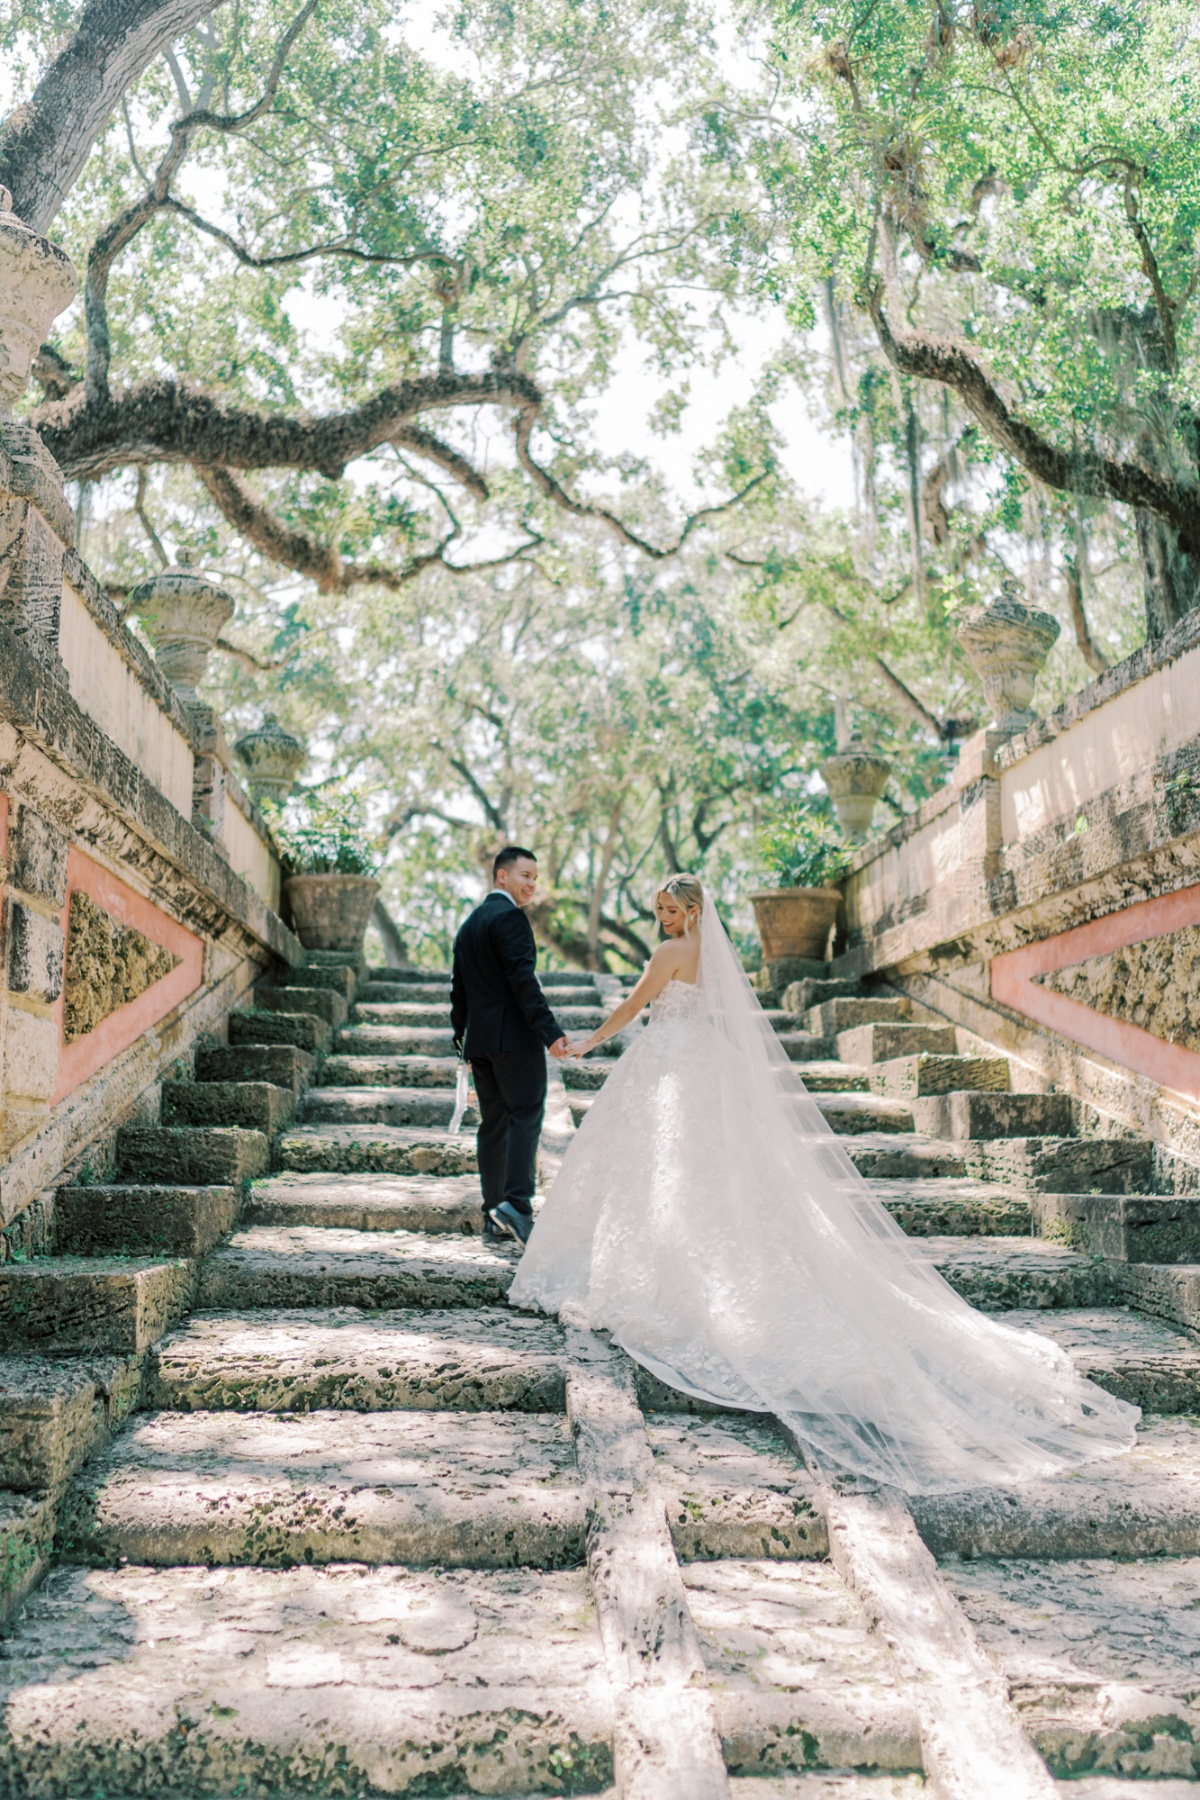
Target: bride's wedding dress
(706,1217)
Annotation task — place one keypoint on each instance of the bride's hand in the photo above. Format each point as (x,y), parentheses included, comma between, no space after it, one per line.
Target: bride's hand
(581,1047)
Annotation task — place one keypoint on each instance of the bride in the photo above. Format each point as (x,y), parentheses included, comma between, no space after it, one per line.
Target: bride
(707,1218)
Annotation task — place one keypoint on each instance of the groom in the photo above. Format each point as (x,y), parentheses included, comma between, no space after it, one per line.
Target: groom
(503,1027)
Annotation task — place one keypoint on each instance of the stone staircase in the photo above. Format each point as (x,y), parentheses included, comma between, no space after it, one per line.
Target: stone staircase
(314,1512)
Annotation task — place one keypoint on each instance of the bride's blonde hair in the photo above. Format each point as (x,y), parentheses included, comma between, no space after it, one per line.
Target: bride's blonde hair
(685,890)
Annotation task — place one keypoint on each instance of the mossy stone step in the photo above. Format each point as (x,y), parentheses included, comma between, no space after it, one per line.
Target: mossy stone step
(1062,1165)
(852,1114)
(429,1107)
(282,1065)
(446,1203)
(394,1040)
(390,1071)
(447,1489)
(868,1044)
(143,1219)
(955,1208)
(584,1077)
(314,1678)
(801,996)
(254,1105)
(830,1017)
(54,1410)
(1150,1363)
(224,1155)
(804,1046)
(485,1359)
(76,1305)
(894,1156)
(1142,1228)
(385,1149)
(974,1114)
(835,1078)
(999,1274)
(915,1077)
(402,1013)
(340,978)
(303,1266)
(304,1030)
(321,1003)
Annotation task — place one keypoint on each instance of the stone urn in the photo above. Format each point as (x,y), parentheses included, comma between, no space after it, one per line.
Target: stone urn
(1008,643)
(331,912)
(184,614)
(855,777)
(273,759)
(795,921)
(37,280)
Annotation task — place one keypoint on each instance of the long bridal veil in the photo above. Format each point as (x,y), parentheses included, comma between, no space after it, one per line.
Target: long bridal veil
(815,1305)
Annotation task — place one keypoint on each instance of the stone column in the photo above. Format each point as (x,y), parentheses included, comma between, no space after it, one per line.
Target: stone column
(184,613)
(36,282)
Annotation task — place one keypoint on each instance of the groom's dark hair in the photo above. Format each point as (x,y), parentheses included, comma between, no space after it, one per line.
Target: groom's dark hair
(510,854)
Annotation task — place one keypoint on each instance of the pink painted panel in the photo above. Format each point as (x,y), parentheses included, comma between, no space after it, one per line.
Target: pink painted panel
(87,1054)
(1013,984)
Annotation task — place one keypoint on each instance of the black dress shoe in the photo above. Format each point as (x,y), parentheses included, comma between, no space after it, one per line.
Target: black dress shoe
(516,1224)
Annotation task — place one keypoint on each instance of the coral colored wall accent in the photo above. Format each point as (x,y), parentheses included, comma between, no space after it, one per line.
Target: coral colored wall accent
(87,1054)
(1013,984)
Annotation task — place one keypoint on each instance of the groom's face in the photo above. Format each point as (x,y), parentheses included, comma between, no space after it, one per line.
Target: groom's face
(519,879)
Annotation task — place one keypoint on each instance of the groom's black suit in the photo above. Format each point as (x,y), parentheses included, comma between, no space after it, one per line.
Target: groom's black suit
(504,1027)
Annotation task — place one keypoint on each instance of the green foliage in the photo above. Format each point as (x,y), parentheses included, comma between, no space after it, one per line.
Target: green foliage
(801,848)
(325,832)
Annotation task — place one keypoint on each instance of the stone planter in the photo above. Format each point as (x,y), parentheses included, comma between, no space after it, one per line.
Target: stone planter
(855,777)
(1008,643)
(273,759)
(184,614)
(795,921)
(331,912)
(37,280)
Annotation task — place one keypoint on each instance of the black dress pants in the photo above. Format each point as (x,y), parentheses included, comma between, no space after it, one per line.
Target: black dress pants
(511,1090)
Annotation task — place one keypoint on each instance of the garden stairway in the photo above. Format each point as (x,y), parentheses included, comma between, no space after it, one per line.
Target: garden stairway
(370,1531)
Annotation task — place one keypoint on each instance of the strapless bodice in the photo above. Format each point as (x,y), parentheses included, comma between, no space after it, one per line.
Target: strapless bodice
(679,1000)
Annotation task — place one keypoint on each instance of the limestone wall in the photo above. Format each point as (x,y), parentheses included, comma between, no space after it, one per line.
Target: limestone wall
(138,882)
(1048,900)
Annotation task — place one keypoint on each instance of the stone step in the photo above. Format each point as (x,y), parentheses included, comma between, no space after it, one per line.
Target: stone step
(1143,1504)
(225,1155)
(453,1489)
(949,1208)
(890,1156)
(584,1077)
(1139,1228)
(833,1016)
(1100,1658)
(402,1013)
(799,996)
(734,1487)
(835,1078)
(390,1071)
(313,1679)
(803,1046)
(303,1266)
(340,977)
(1144,1360)
(1057,1165)
(368,1202)
(78,1305)
(128,1219)
(972,1114)
(999,1274)
(390,1040)
(320,1003)
(432,1107)
(915,1077)
(254,1105)
(304,1030)
(54,1410)
(283,1065)
(382,1149)
(485,1359)
(852,1114)
(415,993)
(438,977)
(883,1043)
(579,1106)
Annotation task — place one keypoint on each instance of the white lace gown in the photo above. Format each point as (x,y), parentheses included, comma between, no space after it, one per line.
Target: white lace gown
(725,1240)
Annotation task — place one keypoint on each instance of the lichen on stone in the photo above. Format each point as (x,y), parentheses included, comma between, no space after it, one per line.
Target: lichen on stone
(108,965)
(1155,985)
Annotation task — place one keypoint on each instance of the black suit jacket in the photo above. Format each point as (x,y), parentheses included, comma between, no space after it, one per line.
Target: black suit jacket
(495,1001)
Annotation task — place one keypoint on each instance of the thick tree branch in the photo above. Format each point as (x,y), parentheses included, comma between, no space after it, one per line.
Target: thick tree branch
(423,443)
(168,421)
(1076,471)
(1092,655)
(49,137)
